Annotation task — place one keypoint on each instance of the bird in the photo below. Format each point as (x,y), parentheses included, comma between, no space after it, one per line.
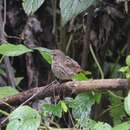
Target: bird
(63,67)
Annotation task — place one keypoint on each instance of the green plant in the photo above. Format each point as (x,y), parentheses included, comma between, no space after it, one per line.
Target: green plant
(55,109)
(126,69)
(24,117)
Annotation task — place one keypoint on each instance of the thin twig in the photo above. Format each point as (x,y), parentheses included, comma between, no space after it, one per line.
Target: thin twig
(4,21)
(25,102)
(96,61)
(69,43)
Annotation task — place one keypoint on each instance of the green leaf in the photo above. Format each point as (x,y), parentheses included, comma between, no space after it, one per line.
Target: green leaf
(55,110)
(7,91)
(18,80)
(81,106)
(87,124)
(97,97)
(45,53)
(123,69)
(127,104)
(127,75)
(123,126)
(128,60)
(80,77)
(126,71)
(102,126)
(63,106)
(30,6)
(24,118)
(71,8)
(2,72)
(8,49)
(116,109)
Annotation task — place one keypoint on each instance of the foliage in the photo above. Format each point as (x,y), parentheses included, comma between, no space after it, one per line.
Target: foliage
(9,49)
(71,8)
(116,109)
(102,126)
(81,105)
(126,69)
(45,53)
(7,91)
(80,77)
(30,6)
(122,126)
(127,104)
(128,60)
(55,109)
(2,72)
(18,80)
(24,118)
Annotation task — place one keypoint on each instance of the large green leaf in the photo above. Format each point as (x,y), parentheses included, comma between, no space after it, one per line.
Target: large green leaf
(81,105)
(13,50)
(81,108)
(117,109)
(7,91)
(102,126)
(30,6)
(123,126)
(24,118)
(45,53)
(127,104)
(71,8)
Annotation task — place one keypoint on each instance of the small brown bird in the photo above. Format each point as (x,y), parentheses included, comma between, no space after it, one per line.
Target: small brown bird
(64,67)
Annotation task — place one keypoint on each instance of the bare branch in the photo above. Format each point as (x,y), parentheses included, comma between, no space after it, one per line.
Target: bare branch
(68,88)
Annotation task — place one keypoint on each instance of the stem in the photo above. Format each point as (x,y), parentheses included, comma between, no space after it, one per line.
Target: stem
(4,112)
(69,43)
(4,22)
(62,42)
(115,96)
(54,3)
(108,109)
(6,104)
(1,58)
(118,58)
(101,72)
(96,61)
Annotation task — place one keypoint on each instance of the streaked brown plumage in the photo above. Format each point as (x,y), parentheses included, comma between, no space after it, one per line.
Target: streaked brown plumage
(64,67)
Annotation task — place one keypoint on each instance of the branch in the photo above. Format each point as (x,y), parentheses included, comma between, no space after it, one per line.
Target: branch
(68,88)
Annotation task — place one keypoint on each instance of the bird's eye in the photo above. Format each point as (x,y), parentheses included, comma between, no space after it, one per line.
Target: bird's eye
(67,61)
